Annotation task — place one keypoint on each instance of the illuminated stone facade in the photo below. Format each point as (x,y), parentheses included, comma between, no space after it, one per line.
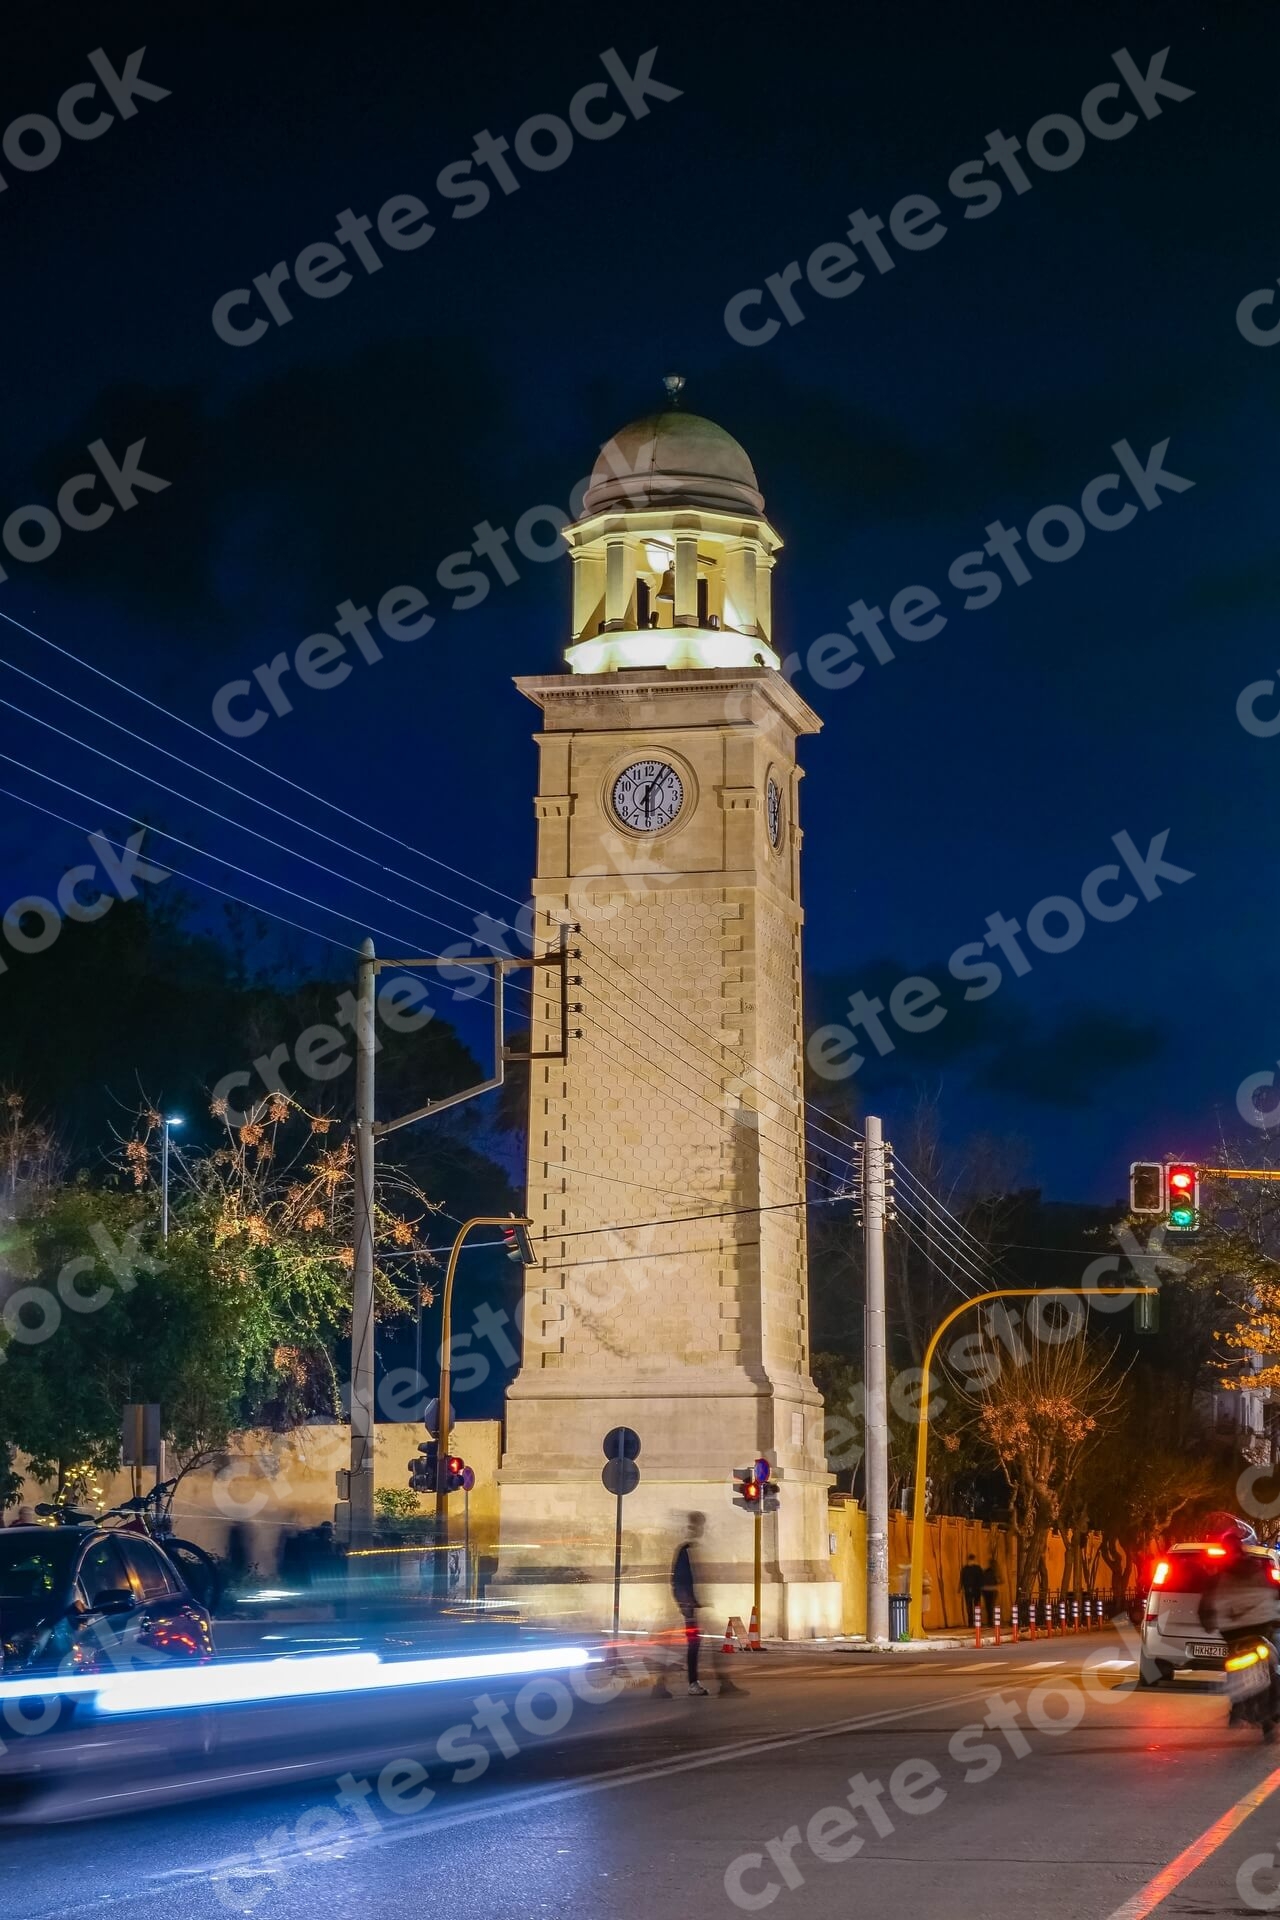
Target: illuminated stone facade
(666,1160)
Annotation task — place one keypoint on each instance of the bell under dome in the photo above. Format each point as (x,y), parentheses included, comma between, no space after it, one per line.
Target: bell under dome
(673,459)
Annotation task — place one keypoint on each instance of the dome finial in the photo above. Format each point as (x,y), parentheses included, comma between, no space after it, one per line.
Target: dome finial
(674,384)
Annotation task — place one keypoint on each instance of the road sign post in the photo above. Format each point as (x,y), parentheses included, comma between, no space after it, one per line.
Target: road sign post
(621,1476)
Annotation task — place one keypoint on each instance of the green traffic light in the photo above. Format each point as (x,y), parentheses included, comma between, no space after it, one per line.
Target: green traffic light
(1182,1217)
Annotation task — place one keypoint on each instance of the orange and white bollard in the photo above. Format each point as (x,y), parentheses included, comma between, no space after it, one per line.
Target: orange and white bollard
(1014,1622)
(995,1616)
(1075,1614)
(977,1625)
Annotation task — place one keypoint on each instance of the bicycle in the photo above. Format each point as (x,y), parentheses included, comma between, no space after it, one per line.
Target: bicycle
(150,1514)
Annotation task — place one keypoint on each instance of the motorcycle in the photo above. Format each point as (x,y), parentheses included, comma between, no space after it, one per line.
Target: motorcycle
(1251,1669)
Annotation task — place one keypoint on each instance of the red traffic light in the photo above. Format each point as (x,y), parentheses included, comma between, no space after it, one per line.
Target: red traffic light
(748,1492)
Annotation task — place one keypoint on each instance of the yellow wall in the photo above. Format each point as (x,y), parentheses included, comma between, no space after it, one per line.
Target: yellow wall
(948,1544)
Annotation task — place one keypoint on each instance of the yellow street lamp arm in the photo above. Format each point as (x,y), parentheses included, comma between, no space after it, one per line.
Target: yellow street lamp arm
(922,1417)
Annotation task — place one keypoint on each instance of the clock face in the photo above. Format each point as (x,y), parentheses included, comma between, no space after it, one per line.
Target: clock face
(773,811)
(648,795)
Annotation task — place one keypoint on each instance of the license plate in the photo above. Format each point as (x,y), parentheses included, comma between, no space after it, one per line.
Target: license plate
(1206,1650)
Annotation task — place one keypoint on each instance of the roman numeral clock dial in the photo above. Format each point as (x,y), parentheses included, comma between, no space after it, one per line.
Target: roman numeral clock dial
(648,796)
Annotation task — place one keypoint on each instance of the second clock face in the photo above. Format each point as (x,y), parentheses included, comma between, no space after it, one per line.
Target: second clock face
(648,795)
(773,811)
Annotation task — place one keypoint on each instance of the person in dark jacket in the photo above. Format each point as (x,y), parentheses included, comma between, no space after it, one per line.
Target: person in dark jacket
(971,1588)
(684,1593)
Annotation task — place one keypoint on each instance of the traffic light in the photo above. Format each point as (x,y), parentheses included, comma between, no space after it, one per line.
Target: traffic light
(518,1244)
(748,1492)
(422,1473)
(1146,1187)
(753,1490)
(455,1473)
(1182,1187)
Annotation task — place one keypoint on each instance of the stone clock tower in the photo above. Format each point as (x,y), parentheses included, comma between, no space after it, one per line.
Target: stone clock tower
(666,1152)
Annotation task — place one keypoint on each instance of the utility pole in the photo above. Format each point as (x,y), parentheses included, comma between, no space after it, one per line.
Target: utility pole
(876,1457)
(360,1491)
(368,1131)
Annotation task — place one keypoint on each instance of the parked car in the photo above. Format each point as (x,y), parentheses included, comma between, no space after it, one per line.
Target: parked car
(93,1599)
(1172,1635)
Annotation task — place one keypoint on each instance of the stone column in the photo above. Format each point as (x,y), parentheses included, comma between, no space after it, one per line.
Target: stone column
(686,614)
(740,589)
(617,584)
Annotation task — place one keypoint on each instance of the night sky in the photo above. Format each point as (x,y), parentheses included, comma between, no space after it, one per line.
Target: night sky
(353,449)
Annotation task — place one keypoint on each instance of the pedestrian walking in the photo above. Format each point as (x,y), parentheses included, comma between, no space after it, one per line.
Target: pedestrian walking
(971,1588)
(684,1593)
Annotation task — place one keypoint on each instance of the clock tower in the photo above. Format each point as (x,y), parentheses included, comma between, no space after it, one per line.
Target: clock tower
(666,1175)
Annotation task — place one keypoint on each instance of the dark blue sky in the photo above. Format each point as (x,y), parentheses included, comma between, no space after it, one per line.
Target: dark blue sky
(353,449)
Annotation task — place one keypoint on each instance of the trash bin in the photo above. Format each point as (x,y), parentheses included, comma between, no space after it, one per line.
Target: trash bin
(899,1616)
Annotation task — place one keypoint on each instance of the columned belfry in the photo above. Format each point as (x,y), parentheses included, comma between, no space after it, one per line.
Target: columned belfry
(666,1152)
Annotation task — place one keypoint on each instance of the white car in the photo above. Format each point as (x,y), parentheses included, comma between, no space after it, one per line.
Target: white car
(1172,1633)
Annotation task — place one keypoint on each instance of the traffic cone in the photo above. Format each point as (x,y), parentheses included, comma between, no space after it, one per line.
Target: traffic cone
(753,1632)
(728,1646)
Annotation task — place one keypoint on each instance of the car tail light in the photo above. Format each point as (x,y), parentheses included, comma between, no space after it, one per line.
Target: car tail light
(1274,1572)
(1161,1574)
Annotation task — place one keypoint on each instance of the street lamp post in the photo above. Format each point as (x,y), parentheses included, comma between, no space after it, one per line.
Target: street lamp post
(170,1120)
(922,1417)
(521,1222)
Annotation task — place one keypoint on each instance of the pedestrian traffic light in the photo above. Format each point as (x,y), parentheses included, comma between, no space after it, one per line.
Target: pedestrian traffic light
(1182,1185)
(748,1491)
(769,1489)
(422,1473)
(1146,1187)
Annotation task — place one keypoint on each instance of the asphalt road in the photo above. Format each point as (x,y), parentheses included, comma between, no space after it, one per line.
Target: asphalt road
(1070,1801)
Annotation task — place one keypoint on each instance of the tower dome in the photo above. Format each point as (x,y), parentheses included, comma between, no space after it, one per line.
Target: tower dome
(673,459)
(672,554)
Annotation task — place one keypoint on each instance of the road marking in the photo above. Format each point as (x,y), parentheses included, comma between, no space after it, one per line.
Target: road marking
(1148,1898)
(237,1866)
